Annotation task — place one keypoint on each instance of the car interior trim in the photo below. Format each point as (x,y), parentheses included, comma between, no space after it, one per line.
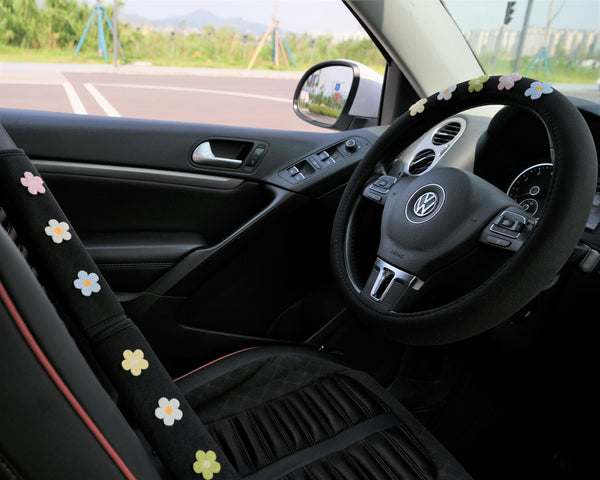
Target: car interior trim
(146,174)
(196,258)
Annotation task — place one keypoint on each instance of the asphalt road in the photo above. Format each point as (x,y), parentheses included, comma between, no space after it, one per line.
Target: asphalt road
(224,97)
(242,98)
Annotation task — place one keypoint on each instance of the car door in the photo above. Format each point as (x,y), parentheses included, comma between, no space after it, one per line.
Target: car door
(201,251)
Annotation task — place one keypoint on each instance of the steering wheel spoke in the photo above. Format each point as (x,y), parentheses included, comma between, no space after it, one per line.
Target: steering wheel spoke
(377,190)
(389,288)
(508,230)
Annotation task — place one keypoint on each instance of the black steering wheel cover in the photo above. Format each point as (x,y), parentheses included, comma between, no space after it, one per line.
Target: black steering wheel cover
(529,270)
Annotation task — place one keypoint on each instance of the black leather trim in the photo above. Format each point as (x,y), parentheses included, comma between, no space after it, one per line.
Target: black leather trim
(7,472)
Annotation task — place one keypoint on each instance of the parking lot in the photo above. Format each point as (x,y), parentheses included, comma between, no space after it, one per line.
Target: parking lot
(242,98)
(225,97)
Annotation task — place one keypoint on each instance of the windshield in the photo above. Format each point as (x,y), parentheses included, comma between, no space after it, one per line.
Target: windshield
(553,40)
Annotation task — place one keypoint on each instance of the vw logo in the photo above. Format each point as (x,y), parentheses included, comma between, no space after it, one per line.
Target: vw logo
(425,204)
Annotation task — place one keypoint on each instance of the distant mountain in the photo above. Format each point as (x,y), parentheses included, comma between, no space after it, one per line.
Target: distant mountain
(197,20)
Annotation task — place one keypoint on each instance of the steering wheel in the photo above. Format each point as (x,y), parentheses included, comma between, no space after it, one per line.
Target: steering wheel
(449,228)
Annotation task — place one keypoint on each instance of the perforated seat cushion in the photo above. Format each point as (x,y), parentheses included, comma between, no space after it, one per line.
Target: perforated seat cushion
(295,414)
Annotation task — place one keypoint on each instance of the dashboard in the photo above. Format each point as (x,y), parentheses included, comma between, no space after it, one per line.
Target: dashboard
(530,188)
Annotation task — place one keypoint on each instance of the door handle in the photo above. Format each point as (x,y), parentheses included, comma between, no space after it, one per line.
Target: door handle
(203,155)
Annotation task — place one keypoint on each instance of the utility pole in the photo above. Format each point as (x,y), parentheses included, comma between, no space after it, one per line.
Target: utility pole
(542,58)
(114,32)
(276,38)
(522,36)
(100,14)
(280,46)
(510,8)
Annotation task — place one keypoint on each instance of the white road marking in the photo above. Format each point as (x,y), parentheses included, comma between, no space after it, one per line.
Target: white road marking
(74,99)
(102,101)
(197,90)
(49,78)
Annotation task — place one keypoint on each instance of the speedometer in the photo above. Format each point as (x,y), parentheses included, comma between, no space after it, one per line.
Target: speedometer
(530,188)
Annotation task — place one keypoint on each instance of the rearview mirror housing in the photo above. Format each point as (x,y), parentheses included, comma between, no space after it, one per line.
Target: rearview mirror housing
(339,94)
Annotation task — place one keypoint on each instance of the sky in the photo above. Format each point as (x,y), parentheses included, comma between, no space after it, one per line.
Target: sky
(331,15)
(571,14)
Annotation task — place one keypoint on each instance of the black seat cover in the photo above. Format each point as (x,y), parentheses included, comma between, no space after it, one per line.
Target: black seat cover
(285,412)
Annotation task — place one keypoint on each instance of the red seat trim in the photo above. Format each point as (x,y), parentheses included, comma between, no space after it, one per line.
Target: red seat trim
(60,384)
(215,361)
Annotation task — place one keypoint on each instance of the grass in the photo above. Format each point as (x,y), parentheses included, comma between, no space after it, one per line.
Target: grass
(563,71)
(87,56)
(18,55)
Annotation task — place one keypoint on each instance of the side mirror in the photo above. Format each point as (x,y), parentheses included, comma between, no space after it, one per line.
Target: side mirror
(339,94)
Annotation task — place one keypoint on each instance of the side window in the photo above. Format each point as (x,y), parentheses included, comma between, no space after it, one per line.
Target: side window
(231,62)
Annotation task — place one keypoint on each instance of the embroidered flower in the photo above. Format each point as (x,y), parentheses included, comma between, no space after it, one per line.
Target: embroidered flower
(446,93)
(537,89)
(418,107)
(506,82)
(59,231)
(206,464)
(134,362)
(476,84)
(87,283)
(168,411)
(33,183)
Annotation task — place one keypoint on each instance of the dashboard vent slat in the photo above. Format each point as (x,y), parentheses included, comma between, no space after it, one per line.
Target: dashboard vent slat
(446,133)
(421,162)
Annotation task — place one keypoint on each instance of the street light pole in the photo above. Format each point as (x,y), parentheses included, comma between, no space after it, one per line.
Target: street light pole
(523,36)
(508,14)
(114,32)
(497,48)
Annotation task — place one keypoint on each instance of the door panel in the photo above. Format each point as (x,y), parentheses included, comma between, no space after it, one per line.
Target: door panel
(137,229)
(206,260)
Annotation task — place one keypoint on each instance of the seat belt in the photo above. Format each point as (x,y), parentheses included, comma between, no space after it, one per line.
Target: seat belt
(68,273)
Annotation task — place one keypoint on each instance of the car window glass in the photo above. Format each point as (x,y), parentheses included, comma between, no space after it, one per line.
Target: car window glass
(232,62)
(554,41)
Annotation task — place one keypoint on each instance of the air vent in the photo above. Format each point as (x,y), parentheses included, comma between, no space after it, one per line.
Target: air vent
(421,162)
(446,133)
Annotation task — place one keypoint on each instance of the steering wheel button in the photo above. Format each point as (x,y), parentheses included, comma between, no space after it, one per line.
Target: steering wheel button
(374,196)
(504,231)
(507,223)
(376,188)
(386,181)
(497,241)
